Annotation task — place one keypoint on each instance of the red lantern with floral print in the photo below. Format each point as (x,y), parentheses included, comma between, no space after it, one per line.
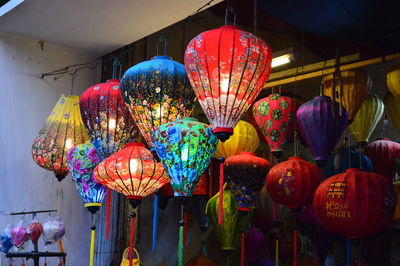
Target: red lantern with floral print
(275,117)
(293,182)
(355,203)
(227,68)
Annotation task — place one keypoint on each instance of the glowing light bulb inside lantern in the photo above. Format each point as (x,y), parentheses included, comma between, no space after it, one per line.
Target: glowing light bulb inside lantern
(133,165)
(68,144)
(224,85)
(112,123)
(185,154)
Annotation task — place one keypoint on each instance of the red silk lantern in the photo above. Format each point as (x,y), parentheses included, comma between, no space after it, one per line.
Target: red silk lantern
(382,154)
(293,182)
(355,203)
(275,116)
(227,68)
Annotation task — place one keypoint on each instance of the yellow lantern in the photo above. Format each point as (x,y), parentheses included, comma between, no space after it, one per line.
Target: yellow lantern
(62,130)
(350,90)
(392,105)
(366,119)
(393,80)
(396,186)
(244,139)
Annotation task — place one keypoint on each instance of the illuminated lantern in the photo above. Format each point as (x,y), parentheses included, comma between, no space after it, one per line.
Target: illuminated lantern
(392,105)
(293,182)
(382,154)
(322,125)
(252,121)
(62,130)
(393,80)
(355,203)
(133,172)
(245,174)
(157,92)
(228,232)
(366,119)
(106,118)
(275,116)
(351,90)
(244,138)
(227,68)
(396,186)
(347,158)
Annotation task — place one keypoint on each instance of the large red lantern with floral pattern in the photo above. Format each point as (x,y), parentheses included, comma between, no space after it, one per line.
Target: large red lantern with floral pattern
(227,68)
(293,182)
(355,203)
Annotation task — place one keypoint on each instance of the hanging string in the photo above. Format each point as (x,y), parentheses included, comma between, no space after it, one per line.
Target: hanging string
(108,212)
(221,191)
(180,245)
(132,238)
(242,250)
(155,223)
(92,240)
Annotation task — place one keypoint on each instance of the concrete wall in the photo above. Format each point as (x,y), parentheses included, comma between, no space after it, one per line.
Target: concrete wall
(25,102)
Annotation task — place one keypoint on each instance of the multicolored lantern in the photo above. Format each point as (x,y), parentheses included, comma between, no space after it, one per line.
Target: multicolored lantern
(355,203)
(347,158)
(322,125)
(366,119)
(244,139)
(157,92)
(382,154)
(293,182)
(227,68)
(185,147)
(245,174)
(62,130)
(275,116)
(393,80)
(133,172)
(350,91)
(392,105)
(106,118)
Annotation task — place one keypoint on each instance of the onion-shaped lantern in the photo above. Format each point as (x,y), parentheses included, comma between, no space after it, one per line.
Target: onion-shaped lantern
(392,105)
(355,203)
(350,91)
(157,92)
(106,118)
(366,119)
(321,124)
(62,130)
(393,80)
(227,68)
(275,117)
(245,174)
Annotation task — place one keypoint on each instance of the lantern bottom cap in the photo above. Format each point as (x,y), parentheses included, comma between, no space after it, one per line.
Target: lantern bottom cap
(277,153)
(92,204)
(223,133)
(320,161)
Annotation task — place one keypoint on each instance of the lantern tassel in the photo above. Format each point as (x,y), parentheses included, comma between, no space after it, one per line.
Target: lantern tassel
(242,251)
(221,192)
(155,222)
(185,228)
(277,252)
(61,248)
(92,238)
(180,245)
(348,248)
(132,238)
(108,213)
(295,248)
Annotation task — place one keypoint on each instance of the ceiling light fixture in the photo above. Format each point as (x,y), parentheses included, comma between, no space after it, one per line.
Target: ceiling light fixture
(282,57)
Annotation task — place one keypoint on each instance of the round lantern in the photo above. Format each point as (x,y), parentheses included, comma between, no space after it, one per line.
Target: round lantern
(62,130)
(382,154)
(245,174)
(355,203)
(156,92)
(321,124)
(106,117)
(366,119)
(227,68)
(351,90)
(244,138)
(293,182)
(275,116)
(393,80)
(347,158)
(392,105)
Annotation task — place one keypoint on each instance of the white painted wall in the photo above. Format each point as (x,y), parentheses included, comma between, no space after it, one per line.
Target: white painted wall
(25,102)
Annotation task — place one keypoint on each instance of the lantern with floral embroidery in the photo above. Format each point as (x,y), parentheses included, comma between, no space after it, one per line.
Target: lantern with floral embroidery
(62,130)
(106,118)
(156,92)
(227,68)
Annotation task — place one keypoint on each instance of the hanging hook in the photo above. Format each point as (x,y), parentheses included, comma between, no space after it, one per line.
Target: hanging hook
(227,10)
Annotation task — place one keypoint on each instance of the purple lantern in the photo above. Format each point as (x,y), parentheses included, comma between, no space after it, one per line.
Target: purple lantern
(254,242)
(321,122)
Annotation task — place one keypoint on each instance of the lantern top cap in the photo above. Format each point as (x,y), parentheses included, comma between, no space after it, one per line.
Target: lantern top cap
(295,158)
(161,57)
(189,119)
(248,153)
(112,80)
(229,27)
(352,170)
(322,98)
(134,144)
(73,97)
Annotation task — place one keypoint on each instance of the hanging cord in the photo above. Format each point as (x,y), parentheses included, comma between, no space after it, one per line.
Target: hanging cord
(92,239)
(180,245)
(132,237)
(163,39)
(73,77)
(228,10)
(255,16)
(115,66)
(155,222)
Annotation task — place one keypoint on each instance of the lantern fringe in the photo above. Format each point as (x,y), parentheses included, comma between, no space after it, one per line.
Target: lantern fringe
(92,240)
(155,223)
(277,252)
(180,244)
(221,194)
(185,228)
(108,213)
(242,250)
(295,248)
(131,240)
